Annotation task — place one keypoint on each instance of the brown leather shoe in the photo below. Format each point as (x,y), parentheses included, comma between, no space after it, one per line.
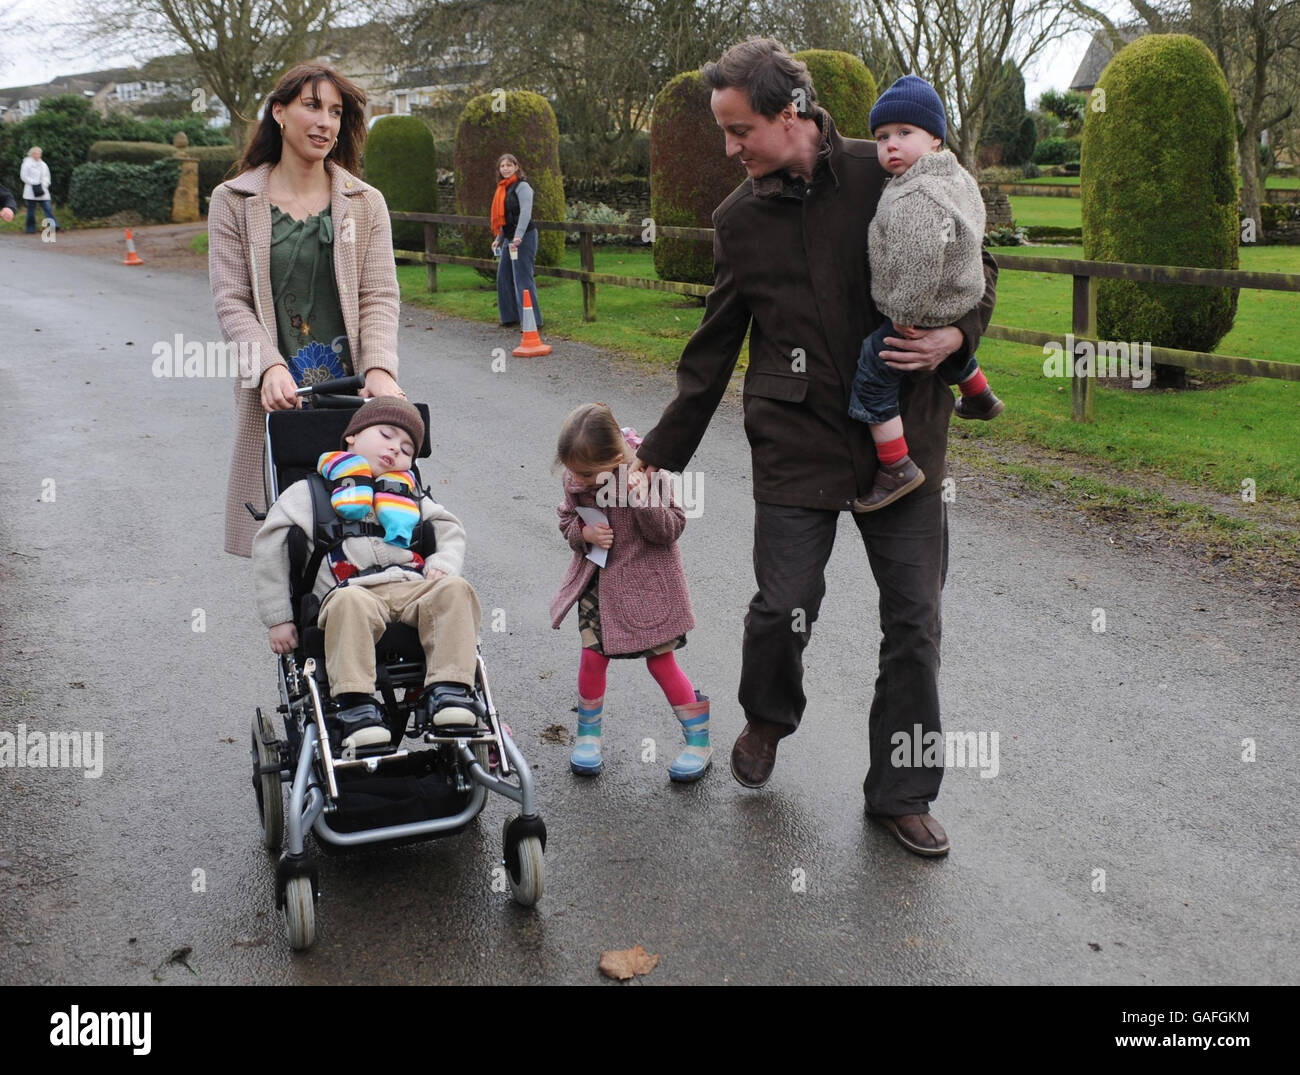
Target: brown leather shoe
(891,483)
(985,406)
(919,833)
(754,754)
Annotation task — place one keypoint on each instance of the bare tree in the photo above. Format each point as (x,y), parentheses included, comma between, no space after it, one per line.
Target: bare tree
(960,47)
(240,47)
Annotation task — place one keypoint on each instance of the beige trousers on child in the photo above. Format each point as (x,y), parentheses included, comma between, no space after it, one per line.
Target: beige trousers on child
(445,611)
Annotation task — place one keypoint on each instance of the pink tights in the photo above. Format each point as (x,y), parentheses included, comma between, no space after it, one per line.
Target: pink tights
(676,687)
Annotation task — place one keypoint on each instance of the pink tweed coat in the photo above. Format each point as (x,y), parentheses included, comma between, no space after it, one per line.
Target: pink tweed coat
(643,595)
(239,269)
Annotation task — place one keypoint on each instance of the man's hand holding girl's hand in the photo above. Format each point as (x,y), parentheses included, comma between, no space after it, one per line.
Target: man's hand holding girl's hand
(432,573)
(601,535)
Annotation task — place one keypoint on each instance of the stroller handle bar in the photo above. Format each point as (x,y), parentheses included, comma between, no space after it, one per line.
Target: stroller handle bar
(326,393)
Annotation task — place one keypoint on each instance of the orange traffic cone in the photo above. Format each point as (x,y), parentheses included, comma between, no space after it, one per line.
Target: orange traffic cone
(530,345)
(132,258)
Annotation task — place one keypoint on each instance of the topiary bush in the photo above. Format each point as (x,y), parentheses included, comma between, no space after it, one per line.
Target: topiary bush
(523,124)
(690,176)
(401,161)
(103,188)
(130,152)
(1159,187)
(845,88)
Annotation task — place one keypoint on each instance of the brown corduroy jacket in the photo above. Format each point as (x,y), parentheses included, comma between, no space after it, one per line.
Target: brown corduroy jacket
(239,270)
(794,272)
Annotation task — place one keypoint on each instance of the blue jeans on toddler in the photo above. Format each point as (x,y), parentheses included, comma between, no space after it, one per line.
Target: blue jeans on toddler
(874,398)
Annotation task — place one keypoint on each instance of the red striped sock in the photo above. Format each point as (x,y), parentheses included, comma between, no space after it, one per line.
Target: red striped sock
(974,384)
(890,452)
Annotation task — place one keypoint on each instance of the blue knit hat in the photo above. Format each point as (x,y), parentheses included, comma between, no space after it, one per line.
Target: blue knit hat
(910,100)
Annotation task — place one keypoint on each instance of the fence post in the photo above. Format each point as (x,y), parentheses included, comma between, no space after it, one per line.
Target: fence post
(1085,327)
(586,248)
(431,247)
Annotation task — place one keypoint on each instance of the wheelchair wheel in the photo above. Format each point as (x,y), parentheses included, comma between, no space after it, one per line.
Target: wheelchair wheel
(528,881)
(299,913)
(267,786)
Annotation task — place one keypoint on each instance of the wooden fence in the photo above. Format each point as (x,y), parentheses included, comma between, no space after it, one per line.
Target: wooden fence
(1085,274)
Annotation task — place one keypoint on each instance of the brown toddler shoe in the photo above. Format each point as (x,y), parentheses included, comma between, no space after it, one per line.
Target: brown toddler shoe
(986,406)
(892,482)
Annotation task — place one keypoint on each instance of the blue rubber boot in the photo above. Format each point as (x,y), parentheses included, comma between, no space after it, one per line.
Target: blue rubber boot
(694,761)
(585,759)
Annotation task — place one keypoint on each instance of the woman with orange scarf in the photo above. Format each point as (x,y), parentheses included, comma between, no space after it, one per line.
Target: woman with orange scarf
(514,241)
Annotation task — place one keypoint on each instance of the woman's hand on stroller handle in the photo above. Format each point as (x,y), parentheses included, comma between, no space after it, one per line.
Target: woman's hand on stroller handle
(284,638)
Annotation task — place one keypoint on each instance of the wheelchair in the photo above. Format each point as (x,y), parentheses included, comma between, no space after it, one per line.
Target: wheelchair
(391,794)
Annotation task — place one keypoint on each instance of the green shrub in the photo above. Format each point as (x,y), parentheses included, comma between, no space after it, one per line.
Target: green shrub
(1159,187)
(101,189)
(64,127)
(216,165)
(130,152)
(845,88)
(1000,173)
(525,127)
(1057,151)
(401,162)
(690,176)
(1007,235)
(124,128)
(595,213)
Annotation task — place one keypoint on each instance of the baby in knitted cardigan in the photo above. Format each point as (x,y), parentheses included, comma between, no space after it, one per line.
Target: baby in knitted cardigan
(924,245)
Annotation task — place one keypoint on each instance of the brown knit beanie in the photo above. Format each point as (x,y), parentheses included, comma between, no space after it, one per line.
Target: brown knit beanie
(387,411)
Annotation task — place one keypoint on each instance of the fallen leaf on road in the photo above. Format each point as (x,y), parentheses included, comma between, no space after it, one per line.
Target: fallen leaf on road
(1094,946)
(625,963)
(179,955)
(248,942)
(556,733)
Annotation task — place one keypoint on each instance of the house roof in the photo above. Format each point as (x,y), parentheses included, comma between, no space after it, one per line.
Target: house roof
(1099,54)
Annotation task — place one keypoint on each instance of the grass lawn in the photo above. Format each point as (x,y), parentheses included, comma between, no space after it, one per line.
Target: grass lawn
(1273,182)
(1214,437)
(1047,211)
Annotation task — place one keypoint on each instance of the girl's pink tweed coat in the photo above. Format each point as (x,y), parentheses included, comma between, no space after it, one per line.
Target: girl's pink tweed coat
(643,595)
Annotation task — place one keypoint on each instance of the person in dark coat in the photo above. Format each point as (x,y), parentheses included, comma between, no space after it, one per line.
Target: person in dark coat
(8,204)
(790,267)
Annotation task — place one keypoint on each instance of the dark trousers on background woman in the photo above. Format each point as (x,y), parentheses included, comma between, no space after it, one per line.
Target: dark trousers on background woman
(44,203)
(514,276)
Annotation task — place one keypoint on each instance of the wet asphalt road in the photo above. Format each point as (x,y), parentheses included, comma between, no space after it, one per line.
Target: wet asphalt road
(1118,751)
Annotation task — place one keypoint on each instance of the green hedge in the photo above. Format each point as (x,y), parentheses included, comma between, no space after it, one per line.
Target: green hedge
(101,189)
(1159,187)
(1057,151)
(400,161)
(690,176)
(526,127)
(216,164)
(130,152)
(845,88)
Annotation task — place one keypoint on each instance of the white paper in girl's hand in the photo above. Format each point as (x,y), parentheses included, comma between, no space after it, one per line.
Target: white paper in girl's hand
(594,517)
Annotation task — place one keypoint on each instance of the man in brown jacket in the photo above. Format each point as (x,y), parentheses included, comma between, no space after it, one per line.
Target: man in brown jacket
(790,266)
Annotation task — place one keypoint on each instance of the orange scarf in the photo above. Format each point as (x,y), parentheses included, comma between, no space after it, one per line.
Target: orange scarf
(499,204)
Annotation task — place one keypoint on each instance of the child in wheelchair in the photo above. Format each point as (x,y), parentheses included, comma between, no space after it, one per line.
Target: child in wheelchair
(371,575)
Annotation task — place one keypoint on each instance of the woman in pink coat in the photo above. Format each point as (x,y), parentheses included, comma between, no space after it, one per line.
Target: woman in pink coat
(300,258)
(626,579)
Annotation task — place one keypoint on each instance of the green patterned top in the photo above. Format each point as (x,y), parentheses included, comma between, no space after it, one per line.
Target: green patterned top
(308,318)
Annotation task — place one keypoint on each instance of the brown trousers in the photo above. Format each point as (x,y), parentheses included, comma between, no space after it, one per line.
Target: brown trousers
(444,611)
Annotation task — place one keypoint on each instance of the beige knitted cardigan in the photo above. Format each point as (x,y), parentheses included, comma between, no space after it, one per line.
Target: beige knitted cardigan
(239,268)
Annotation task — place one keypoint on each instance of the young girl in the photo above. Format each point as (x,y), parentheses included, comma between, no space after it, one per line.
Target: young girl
(636,605)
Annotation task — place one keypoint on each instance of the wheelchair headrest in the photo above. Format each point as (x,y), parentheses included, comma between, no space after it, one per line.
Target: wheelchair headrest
(299,437)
